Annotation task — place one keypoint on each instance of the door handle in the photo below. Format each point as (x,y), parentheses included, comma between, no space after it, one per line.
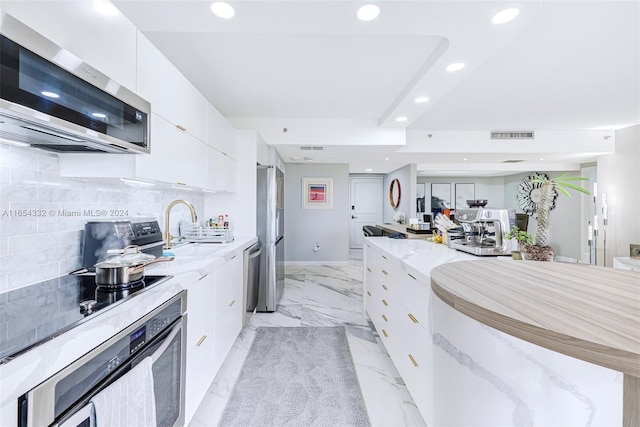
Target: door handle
(353,217)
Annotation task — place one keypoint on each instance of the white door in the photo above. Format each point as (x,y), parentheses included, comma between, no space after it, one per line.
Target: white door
(366,207)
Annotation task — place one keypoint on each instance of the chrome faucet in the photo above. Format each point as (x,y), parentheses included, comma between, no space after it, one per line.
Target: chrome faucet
(167,234)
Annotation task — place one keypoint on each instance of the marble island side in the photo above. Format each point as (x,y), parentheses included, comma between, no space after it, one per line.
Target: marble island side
(463,370)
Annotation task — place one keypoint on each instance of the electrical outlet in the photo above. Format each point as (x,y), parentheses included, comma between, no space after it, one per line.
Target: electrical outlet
(316,247)
(634,251)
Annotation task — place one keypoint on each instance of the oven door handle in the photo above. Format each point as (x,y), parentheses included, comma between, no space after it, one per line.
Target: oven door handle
(166,342)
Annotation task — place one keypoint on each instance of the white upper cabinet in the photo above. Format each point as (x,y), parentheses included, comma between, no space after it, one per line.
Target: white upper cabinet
(221,171)
(221,134)
(171,95)
(108,43)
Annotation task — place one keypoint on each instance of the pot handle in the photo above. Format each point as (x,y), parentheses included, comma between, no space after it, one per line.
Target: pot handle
(140,268)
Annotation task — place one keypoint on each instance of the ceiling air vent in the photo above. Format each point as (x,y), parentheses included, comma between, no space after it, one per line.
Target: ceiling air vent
(311,148)
(510,134)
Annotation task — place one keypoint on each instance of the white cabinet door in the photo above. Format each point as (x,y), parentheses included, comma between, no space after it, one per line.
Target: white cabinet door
(228,306)
(221,134)
(200,374)
(171,95)
(221,171)
(417,366)
(176,156)
(200,338)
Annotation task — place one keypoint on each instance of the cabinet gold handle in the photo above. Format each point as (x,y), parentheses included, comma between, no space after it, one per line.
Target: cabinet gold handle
(232,302)
(385,318)
(385,273)
(413,361)
(385,288)
(413,318)
(233,257)
(411,276)
(182,128)
(368,269)
(203,276)
(369,293)
(181,183)
(383,256)
(384,302)
(201,340)
(385,333)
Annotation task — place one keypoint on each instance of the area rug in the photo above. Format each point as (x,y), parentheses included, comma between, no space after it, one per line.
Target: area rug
(297,377)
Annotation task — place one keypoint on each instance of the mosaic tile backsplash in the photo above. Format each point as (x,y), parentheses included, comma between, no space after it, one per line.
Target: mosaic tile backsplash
(42,214)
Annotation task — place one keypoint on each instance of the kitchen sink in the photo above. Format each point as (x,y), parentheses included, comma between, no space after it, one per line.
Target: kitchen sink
(198,250)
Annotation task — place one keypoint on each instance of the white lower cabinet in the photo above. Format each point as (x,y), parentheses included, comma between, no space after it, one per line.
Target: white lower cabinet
(214,320)
(228,306)
(397,304)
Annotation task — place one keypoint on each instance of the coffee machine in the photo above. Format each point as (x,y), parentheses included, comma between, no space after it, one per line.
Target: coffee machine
(485,230)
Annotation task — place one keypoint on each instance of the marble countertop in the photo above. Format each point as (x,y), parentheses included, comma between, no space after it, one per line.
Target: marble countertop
(29,369)
(587,312)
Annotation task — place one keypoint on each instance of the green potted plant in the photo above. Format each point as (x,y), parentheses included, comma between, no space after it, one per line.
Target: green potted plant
(524,240)
(540,250)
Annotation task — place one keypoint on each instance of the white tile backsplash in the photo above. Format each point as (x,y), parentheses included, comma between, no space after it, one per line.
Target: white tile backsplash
(35,248)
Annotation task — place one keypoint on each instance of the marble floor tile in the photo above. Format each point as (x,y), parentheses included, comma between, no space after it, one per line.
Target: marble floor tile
(324,295)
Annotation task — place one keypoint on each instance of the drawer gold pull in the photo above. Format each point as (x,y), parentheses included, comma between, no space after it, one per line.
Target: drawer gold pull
(232,302)
(385,288)
(203,276)
(368,269)
(233,257)
(369,293)
(385,333)
(384,302)
(413,361)
(182,128)
(385,318)
(201,340)
(383,256)
(413,318)
(411,276)
(385,273)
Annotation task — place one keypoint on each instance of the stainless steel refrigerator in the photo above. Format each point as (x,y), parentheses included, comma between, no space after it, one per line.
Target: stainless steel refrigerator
(270,229)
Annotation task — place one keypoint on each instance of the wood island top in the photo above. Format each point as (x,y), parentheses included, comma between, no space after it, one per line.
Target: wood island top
(587,312)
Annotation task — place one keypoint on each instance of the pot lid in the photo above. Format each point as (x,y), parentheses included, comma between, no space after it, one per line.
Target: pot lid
(126,259)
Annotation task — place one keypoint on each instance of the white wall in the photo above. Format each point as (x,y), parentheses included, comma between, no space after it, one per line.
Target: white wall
(407,177)
(618,178)
(327,227)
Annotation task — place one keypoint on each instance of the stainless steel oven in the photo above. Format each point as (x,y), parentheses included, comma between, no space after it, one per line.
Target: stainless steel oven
(155,342)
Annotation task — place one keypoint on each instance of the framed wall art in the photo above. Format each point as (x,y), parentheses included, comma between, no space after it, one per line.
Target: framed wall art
(317,193)
(464,192)
(440,196)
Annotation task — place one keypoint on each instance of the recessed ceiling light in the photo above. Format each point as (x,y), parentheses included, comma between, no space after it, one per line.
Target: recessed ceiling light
(368,12)
(456,66)
(386,158)
(50,94)
(465,159)
(222,10)
(421,99)
(505,16)
(401,119)
(541,158)
(368,170)
(99,115)
(105,7)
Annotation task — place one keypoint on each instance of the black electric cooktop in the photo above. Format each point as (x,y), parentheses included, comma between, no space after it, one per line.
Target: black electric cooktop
(37,313)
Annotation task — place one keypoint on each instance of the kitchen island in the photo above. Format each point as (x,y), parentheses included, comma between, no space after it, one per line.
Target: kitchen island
(463,369)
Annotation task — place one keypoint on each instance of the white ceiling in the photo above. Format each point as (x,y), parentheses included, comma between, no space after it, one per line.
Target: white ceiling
(560,65)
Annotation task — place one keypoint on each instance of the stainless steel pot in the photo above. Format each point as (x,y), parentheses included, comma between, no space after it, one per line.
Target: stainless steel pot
(126,268)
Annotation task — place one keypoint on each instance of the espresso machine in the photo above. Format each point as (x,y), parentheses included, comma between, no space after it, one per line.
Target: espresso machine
(485,230)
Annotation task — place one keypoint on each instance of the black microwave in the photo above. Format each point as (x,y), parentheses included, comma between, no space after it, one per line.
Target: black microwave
(52,100)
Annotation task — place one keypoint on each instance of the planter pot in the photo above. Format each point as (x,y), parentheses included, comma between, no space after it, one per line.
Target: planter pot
(536,253)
